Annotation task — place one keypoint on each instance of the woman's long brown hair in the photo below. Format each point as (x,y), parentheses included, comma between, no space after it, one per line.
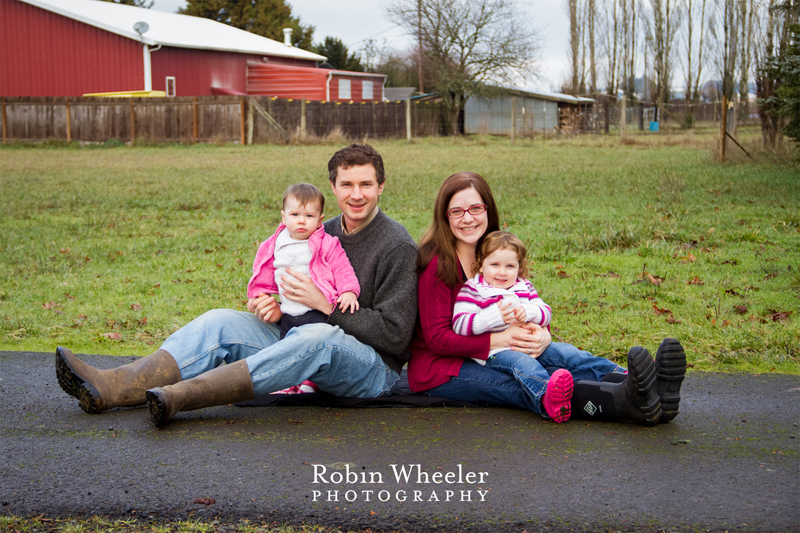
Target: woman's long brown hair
(439,239)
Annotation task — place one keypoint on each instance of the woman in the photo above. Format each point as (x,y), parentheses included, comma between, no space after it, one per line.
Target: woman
(441,363)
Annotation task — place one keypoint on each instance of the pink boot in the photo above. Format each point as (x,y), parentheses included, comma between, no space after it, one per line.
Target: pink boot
(305,387)
(557,396)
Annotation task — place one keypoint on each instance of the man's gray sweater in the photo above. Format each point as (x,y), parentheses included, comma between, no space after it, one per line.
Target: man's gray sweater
(384,257)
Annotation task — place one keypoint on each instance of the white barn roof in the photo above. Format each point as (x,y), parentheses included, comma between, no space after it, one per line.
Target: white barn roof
(170,29)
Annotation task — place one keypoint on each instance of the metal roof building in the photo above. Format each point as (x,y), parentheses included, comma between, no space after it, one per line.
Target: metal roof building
(74,47)
(532,111)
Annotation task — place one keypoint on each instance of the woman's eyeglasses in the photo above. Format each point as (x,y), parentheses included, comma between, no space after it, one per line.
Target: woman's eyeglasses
(458,212)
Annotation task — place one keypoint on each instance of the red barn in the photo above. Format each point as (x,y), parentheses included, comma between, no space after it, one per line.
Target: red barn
(75,47)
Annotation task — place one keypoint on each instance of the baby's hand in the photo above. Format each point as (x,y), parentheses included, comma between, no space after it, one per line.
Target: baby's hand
(348,299)
(520,315)
(507,312)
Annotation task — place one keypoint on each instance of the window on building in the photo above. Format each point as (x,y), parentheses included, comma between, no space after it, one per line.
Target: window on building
(366,90)
(344,90)
(170,85)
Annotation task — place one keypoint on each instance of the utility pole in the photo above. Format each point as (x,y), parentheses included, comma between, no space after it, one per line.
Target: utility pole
(419,45)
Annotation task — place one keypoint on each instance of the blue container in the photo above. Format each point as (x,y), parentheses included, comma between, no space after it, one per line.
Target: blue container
(654,126)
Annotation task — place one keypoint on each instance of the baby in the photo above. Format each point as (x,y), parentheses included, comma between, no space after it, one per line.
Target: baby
(498,296)
(301,243)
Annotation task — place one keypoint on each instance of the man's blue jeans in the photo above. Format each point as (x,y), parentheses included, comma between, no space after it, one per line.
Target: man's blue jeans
(499,383)
(336,362)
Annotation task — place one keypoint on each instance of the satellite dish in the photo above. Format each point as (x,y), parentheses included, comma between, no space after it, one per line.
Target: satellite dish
(141,27)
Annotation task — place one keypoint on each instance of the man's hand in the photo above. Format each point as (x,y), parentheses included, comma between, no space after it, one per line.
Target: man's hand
(348,299)
(299,288)
(266,308)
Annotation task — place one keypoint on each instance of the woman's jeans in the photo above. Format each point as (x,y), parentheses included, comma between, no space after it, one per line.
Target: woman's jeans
(336,362)
(517,379)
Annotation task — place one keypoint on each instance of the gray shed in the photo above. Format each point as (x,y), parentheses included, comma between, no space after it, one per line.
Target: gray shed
(535,111)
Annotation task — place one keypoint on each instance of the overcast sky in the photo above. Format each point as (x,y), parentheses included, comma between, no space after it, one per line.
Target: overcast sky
(355,21)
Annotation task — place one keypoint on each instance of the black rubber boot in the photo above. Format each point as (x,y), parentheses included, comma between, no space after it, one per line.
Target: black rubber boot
(671,369)
(606,402)
(642,372)
(634,398)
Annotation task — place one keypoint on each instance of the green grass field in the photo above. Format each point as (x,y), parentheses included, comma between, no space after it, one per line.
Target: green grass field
(111,250)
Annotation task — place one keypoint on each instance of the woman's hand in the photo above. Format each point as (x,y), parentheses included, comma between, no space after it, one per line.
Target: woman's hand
(530,338)
(266,308)
(300,288)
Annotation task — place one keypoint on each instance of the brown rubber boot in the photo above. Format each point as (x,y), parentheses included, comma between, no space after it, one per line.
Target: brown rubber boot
(223,385)
(99,390)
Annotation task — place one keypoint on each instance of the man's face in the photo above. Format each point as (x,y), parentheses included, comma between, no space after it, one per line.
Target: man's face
(301,220)
(357,192)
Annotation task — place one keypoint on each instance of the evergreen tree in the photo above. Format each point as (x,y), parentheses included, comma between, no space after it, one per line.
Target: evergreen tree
(339,57)
(262,17)
(787,70)
(778,74)
(147,4)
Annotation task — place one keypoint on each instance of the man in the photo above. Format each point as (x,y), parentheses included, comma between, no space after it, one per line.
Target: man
(356,355)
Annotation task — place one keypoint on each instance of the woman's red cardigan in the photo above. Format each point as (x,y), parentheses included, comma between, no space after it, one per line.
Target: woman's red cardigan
(437,352)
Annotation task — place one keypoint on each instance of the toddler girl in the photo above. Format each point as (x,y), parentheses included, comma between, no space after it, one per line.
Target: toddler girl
(301,243)
(499,295)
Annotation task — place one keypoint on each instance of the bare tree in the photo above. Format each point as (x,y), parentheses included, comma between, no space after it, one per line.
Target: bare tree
(591,13)
(611,31)
(627,61)
(468,44)
(747,23)
(575,34)
(662,26)
(694,48)
(726,33)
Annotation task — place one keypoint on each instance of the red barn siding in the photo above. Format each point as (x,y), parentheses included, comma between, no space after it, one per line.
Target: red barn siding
(310,83)
(45,54)
(197,71)
(356,87)
(286,82)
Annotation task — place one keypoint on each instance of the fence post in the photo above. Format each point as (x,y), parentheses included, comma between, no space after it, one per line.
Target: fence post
(195,125)
(133,122)
(641,117)
(303,117)
(513,118)
(242,120)
(408,119)
(250,121)
(622,118)
(69,124)
(544,123)
(5,124)
(723,129)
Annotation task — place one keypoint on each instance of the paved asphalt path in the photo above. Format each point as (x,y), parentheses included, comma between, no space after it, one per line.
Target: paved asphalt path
(729,462)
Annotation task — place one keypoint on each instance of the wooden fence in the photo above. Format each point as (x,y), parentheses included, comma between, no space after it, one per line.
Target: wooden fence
(245,120)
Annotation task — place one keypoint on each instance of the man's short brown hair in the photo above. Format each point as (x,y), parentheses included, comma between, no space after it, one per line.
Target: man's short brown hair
(356,155)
